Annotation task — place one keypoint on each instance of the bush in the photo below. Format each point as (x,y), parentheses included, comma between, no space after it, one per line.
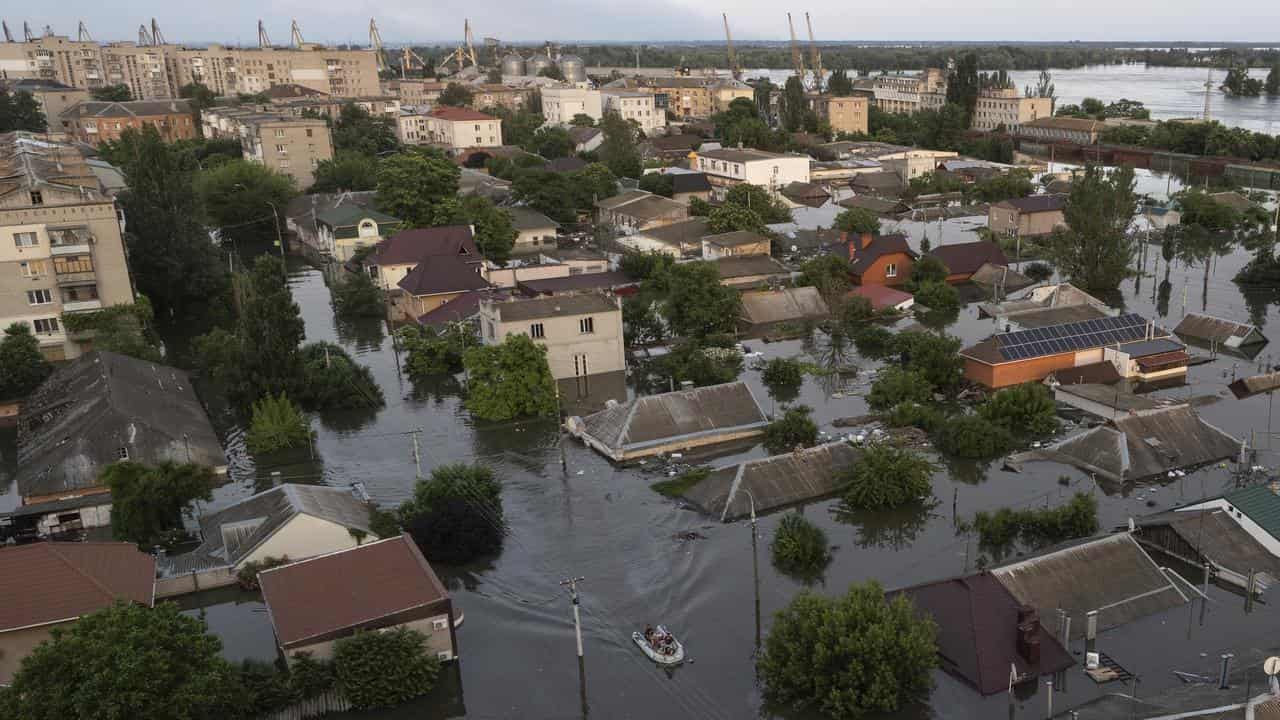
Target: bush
(22,366)
(873,342)
(928,269)
(935,357)
(509,380)
(682,483)
(1038,271)
(939,297)
(800,548)
(848,656)
(712,361)
(913,414)
(894,386)
(277,424)
(887,477)
(382,523)
(1023,410)
(794,428)
(782,374)
(1038,527)
(331,380)
(309,677)
(357,296)
(265,689)
(973,437)
(247,576)
(381,669)
(435,351)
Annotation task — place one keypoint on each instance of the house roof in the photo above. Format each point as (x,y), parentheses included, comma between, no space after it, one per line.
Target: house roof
(1109,396)
(463,307)
(77,420)
(677,234)
(977,621)
(525,218)
(231,534)
(1099,373)
(1232,199)
(1112,575)
(675,143)
(786,304)
(621,199)
(1217,537)
(1036,203)
(1147,348)
(1219,330)
(410,247)
(806,192)
(649,207)
(1048,316)
(458,114)
(443,274)
(565,165)
(307,208)
(773,482)
(1249,386)
(998,275)
(966,258)
(583,135)
(881,296)
(1067,123)
(352,589)
(735,239)
(659,419)
(350,214)
(880,246)
(1055,339)
(128,109)
(51,582)
(880,206)
(878,180)
(575,283)
(1142,445)
(1261,504)
(740,266)
(555,306)
(689,182)
(742,155)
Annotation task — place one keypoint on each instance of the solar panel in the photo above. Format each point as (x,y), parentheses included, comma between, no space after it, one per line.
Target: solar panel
(1068,337)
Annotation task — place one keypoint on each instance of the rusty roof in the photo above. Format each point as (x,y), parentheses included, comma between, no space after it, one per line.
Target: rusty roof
(773,482)
(1219,330)
(673,416)
(348,590)
(52,582)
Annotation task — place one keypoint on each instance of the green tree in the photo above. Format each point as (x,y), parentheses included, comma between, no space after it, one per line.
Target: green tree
(552,142)
(640,321)
(456,514)
(456,95)
(800,548)
(582,120)
(619,150)
(887,477)
(732,217)
(757,199)
(1272,86)
(551,194)
(795,428)
(112,93)
(858,221)
(783,376)
(1240,84)
(163,665)
(510,380)
(935,357)
(1095,248)
(973,437)
(495,234)
(418,186)
(348,170)
(359,131)
(147,501)
(356,296)
(331,380)
(657,183)
(20,111)
(592,183)
(847,656)
(941,299)
(830,274)
(702,361)
(697,304)
(927,269)
(22,367)
(238,197)
(552,71)
(793,105)
(963,85)
(1014,184)
(277,424)
(199,94)
(435,351)
(381,669)
(839,84)
(1026,409)
(124,329)
(894,386)
(1036,527)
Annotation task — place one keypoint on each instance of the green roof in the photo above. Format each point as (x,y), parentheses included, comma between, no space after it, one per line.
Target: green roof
(1260,503)
(351,215)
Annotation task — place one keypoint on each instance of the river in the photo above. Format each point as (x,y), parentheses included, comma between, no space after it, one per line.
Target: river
(1168,92)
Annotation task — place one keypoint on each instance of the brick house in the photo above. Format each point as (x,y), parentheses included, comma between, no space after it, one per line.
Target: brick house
(1028,216)
(878,259)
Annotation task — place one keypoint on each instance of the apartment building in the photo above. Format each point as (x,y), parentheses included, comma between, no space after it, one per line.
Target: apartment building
(848,113)
(96,121)
(560,104)
(1007,107)
(685,96)
(637,106)
(907,93)
(582,333)
(52,96)
(159,71)
(492,95)
(417,93)
(289,145)
(451,128)
(728,167)
(61,250)
(724,91)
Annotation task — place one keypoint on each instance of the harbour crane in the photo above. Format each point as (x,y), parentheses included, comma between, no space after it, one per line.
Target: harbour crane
(157,37)
(375,40)
(733,56)
(144,38)
(263,40)
(462,53)
(295,35)
(471,49)
(815,57)
(26,32)
(410,60)
(8,36)
(82,35)
(797,58)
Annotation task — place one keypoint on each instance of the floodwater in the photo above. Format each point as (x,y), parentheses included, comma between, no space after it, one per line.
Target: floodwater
(1168,92)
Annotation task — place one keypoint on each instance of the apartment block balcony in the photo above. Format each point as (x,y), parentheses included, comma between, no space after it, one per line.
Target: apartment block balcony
(81,305)
(70,241)
(76,278)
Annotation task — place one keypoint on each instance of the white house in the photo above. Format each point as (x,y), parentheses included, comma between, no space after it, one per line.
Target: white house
(582,333)
(637,106)
(728,167)
(452,128)
(560,104)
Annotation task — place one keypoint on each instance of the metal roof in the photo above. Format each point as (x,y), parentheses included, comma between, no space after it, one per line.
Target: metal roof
(1261,504)
(52,582)
(670,417)
(1068,337)
(555,306)
(773,482)
(771,306)
(1147,348)
(1219,330)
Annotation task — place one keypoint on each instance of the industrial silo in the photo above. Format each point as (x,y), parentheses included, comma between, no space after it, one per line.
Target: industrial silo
(512,64)
(536,64)
(575,71)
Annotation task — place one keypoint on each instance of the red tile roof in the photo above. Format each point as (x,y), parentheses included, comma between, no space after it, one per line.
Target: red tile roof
(447,112)
(413,246)
(49,582)
(348,589)
(881,296)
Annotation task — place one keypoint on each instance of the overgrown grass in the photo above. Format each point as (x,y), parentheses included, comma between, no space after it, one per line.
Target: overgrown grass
(682,483)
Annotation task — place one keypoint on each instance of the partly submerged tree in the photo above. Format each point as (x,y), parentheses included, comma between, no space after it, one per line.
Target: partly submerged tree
(147,501)
(795,428)
(509,380)
(887,477)
(1095,248)
(800,548)
(384,668)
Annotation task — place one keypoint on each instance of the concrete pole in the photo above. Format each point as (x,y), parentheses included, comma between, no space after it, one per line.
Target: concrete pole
(1091,630)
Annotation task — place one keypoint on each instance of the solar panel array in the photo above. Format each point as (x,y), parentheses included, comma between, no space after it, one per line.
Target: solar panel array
(1069,337)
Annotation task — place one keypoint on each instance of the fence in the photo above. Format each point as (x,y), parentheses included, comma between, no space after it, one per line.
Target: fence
(331,701)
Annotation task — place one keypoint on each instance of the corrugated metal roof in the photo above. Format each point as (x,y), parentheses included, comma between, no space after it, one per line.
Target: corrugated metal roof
(771,306)
(1144,348)
(774,482)
(659,419)
(1261,504)
(1219,330)
(1219,538)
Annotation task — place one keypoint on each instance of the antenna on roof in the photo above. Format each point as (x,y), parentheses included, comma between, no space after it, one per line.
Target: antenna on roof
(263,40)
(156,36)
(82,34)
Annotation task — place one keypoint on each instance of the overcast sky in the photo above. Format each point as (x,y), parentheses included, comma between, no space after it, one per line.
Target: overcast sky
(614,21)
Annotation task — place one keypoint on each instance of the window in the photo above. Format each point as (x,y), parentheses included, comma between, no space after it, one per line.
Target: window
(587,325)
(284,163)
(308,132)
(488,329)
(25,239)
(891,270)
(45,326)
(439,624)
(39,297)
(281,149)
(122,452)
(33,268)
(537,331)
(444,656)
(279,133)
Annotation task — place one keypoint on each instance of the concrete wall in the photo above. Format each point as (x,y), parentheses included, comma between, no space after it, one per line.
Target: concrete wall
(17,644)
(294,148)
(570,352)
(438,640)
(302,537)
(510,276)
(194,582)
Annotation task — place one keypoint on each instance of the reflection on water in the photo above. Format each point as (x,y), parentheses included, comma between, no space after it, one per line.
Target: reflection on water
(887,529)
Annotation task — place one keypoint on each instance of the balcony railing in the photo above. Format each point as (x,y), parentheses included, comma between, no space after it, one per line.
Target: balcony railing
(70,241)
(81,305)
(76,278)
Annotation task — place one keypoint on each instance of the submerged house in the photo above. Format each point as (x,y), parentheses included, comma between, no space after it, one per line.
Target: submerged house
(1208,533)
(765,308)
(1046,305)
(878,259)
(1143,443)
(1255,509)
(1221,334)
(1149,360)
(774,482)
(672,422)
(98,409)
(964,259)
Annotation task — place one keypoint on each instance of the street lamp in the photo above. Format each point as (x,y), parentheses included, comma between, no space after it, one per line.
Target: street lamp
(755,563)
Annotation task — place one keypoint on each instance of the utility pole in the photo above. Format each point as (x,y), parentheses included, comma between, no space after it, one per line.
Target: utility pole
(417,455)
(572,584)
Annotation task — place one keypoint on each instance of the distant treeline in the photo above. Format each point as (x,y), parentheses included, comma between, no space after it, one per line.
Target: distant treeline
(874,58)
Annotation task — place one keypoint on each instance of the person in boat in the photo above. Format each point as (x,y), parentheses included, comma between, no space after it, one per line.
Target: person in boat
(649,634)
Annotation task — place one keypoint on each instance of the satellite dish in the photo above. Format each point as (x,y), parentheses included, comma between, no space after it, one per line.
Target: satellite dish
(1272,666)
